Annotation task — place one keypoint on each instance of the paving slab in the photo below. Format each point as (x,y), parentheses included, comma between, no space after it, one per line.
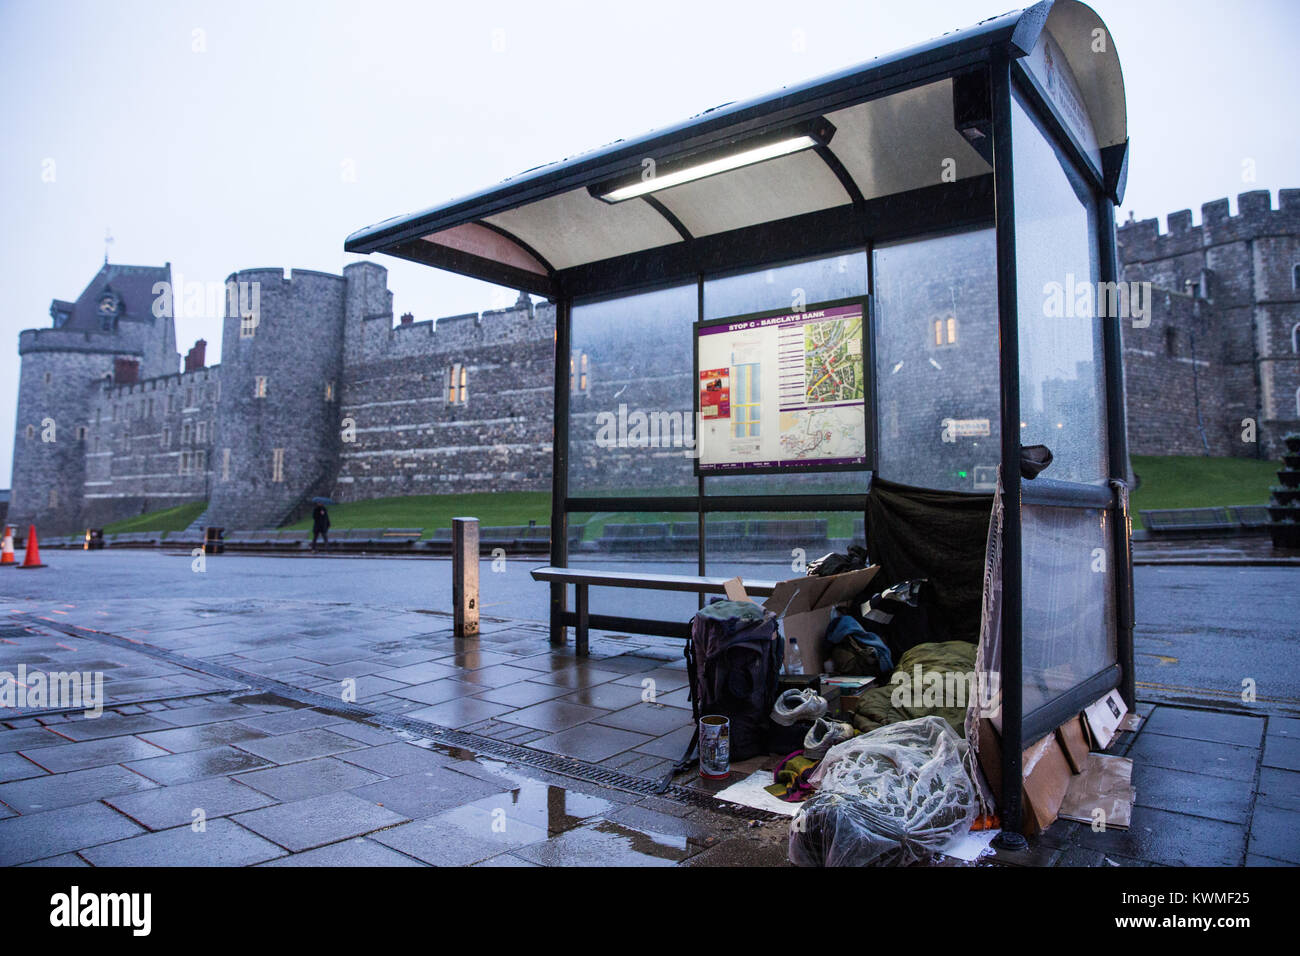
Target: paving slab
(1172,839)
(1218,798)
(311,778)
(165,807)
(553,715)
(426,793)
(434,842)
(606,843)
(53,791)
(459,712)
(361,851)
(201,736)
(316,821)
(522,693)
(180,768)
(397,759)
(14,766)
(645,718)
(1275,833)
(1282,752)
(1195,756)
(438,691)
(110,724)
(290,721)
(590,742)
(300,745)
(202,714)
(39,835)
(92,753)
(1237,729)
(220,843)
(1279,788)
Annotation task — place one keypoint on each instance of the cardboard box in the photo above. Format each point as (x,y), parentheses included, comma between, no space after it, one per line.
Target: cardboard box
(804,607)
(1104,718)
(1102,793)
(1045,771)
(1074,742)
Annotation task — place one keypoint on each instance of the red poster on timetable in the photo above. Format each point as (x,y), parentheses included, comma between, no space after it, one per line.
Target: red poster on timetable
(715,394)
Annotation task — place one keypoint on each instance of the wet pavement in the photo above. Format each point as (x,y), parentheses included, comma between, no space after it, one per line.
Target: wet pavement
(335,720)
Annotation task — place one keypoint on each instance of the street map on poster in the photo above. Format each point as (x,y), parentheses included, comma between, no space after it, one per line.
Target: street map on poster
(785,391)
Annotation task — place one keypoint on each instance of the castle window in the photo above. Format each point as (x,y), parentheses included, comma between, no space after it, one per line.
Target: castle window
(457,385)
(277,464)
(31,431)
(247,326)
(185,433)
(200,432)
(1295,339)
(1295,278)
(151,408)
(185,463)
(329,391)
(189,397)
(225,464)
(578,373)
(259,387)
(167,437)
(945,332)
(54,498)
(1171,342)
(48,378)
(81,433)
(200,461)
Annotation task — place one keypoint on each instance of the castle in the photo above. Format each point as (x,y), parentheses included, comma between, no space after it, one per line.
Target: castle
(319,393)
(1222,350)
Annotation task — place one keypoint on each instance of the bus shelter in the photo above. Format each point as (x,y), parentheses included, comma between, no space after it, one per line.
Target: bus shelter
(896,283)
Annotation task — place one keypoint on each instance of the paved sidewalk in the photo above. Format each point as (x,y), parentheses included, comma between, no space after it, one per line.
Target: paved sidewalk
(340,734)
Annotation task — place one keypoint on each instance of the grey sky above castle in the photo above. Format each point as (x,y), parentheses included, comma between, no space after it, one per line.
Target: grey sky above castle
(220,136)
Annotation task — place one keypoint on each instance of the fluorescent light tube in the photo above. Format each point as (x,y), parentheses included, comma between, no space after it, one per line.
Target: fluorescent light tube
(736,160)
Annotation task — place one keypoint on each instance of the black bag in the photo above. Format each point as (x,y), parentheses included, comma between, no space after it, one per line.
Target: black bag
(733,660)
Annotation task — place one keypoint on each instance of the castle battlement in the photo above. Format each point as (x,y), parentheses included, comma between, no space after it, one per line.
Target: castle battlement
(65,340)
(1142,240)
(162,382)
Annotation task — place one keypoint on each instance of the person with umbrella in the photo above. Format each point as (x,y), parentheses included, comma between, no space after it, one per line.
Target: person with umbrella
(320,521)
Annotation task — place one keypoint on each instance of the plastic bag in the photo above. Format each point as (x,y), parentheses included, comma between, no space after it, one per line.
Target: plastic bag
(889,797)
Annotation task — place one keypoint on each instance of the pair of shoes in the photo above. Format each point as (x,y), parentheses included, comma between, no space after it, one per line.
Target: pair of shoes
(825,734)
(795,705)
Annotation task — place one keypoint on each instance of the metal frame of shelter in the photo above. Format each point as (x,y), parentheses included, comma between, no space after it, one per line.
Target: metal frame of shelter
(560,232)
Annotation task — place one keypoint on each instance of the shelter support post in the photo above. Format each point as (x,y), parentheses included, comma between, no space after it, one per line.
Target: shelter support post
(1117,434)
(1009,369)
(560,466)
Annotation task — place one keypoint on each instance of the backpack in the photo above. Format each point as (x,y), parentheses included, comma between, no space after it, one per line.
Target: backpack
(733,659)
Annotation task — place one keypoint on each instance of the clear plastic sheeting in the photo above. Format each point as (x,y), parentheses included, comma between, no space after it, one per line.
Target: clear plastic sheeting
(890,797)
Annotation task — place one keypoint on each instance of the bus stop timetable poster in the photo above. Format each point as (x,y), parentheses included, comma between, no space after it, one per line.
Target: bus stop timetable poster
(783,391)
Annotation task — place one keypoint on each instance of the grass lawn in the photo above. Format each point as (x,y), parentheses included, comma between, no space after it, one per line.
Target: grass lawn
(1166,482)
(169,519)
(1187,481)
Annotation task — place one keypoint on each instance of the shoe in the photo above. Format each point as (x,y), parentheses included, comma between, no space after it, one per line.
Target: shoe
(825,734)
(795,705)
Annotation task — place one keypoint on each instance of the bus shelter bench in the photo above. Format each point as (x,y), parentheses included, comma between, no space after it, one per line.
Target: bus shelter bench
(584,578)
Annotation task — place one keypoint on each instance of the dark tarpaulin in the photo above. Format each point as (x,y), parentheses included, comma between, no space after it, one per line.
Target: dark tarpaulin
(937,535)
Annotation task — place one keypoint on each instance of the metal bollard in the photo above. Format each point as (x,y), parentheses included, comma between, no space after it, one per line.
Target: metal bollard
(464,576)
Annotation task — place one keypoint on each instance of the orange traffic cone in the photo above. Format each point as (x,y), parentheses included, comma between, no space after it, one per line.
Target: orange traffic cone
(7,554)
(32,559)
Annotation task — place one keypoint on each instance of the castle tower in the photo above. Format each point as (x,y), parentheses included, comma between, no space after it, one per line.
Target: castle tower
(109,334)
(277,432)
(1222,349)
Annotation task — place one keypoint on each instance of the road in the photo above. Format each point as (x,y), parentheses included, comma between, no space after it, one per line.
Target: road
(1202,631)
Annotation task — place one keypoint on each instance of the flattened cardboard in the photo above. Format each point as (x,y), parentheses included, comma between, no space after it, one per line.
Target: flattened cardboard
(804,606)
(1106,785)
(1074,742)
(1104,717)
(736,590)
(1046,775)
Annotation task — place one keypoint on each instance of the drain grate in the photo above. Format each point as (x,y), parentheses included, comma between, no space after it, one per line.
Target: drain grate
(570,767)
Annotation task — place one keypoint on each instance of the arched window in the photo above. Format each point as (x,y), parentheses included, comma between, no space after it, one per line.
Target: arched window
(1295,339)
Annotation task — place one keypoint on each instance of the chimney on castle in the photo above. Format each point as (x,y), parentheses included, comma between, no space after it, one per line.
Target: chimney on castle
(407,318)
(195,358)
(525,301)
(126,371)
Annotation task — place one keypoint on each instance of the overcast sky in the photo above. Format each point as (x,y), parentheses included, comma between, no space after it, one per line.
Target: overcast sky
(227,135)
